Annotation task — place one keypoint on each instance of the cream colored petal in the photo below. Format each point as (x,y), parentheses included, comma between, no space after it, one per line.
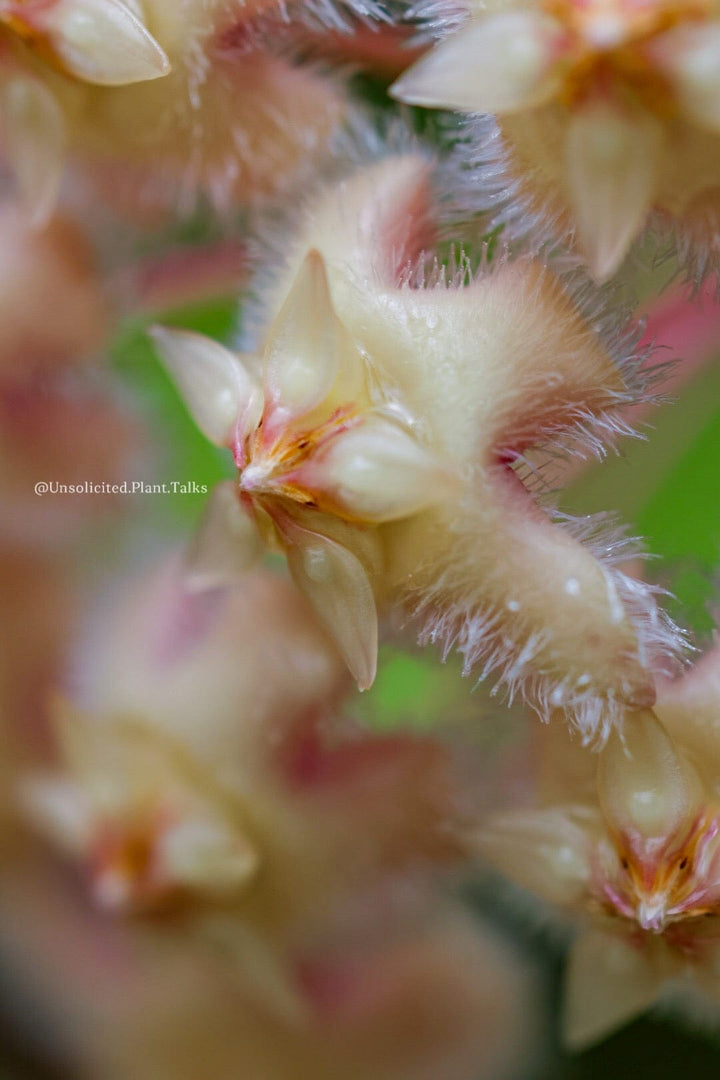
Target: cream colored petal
(218,390)
(608,983)
(611,160)
(647,790)
(302,354)
(33,135)
(690,56)
(103,42)
(544,851)
(226,544)
(336,584)
(501,63)
(377,471)
(205,854)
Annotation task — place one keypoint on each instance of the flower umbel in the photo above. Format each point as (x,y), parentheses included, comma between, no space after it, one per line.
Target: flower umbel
(379,451)
(597,99)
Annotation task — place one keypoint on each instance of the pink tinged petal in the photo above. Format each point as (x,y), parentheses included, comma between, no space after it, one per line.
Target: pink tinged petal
(33,129)
(307,347)
(647,790)
(377,471)
(544,851)
(690,55)
(336,584)
(206,855)
(103,42)
(217,388)
(608,983)
(227,542)
(501,63)
(611,161)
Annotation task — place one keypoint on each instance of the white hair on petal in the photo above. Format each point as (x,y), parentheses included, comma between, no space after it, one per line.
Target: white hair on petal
(456,618)
(484,186)
(434,19)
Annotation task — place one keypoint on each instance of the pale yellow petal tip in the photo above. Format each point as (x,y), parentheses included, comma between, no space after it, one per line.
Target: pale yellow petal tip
(213,381)
(104,43)
(500,63)
(205,855)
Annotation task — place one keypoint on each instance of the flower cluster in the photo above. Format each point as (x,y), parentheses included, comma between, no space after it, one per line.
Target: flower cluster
(607,110)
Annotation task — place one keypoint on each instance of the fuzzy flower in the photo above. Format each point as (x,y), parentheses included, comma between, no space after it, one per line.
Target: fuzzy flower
(635,859)
(448,1001)
(375,432)
(156,104)
(199,771)
(607,110)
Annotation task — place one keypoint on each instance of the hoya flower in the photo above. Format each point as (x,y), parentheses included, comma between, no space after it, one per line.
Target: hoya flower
(441,998)
(441,1002)
(607,110)
(156,104)
(161,688)
(635,860)
(199,771)
(374,432)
